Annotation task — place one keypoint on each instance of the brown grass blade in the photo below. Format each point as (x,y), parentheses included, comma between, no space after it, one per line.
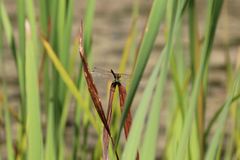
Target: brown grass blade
(122,96)
(128,122)
(109,119)
(92,88)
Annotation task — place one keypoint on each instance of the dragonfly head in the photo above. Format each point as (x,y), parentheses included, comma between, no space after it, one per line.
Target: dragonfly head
(116,76)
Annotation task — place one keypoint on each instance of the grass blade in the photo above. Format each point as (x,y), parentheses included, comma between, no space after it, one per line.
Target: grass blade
(29,4)
(133,141)
(150,139)
(91,86)
(216,116)
(122,96)
(214,145)
(8,29)
(88,25)
(109,119)
(34,132)
(151,30)
(71,86)
(21,56)
(214,10)
(9,139)
(93,90)
(50,150)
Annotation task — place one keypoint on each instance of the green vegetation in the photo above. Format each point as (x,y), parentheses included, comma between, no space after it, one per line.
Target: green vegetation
(45,56)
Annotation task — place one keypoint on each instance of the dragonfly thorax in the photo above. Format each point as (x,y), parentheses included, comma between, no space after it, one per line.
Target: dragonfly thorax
(116,76)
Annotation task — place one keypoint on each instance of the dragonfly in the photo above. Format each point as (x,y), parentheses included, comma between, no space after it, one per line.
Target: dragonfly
(98,104)
(116,77)
(116,82)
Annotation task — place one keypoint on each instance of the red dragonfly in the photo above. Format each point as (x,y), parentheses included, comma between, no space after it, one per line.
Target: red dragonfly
(109,74)
(98,104)
(122,95)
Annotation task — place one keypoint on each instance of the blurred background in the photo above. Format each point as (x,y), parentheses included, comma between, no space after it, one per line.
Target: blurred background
(111,26)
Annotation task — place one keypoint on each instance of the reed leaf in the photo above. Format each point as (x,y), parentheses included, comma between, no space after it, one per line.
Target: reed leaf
(134,137)
(8,129)
(151,30)
(217,138)
(213,14)
(67,80)
(88,25)
(34,131)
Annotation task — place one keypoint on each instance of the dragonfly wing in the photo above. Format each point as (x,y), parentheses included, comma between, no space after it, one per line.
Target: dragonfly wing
(106,75)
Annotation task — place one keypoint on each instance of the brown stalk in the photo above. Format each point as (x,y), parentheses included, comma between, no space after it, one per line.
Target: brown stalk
(109,119)
(122,96)
(128,121)
(92,88)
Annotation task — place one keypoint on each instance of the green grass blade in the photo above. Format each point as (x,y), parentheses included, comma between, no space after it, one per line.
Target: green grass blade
(61,19)
(216,115)
(68,31)
(21,65)
(69,83)
(1,39)
(214,145)
(150,139)
(9,138)
(210,32)
(134,138)
(88,25)
(62,124)
(50,149)
(65,42)
(178,72)
(21,57)
(63,57)
(21,28)
(34,132)
(151,30)
(43,17)
(193,36)
(8,28)
(30,8)
(53,21)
